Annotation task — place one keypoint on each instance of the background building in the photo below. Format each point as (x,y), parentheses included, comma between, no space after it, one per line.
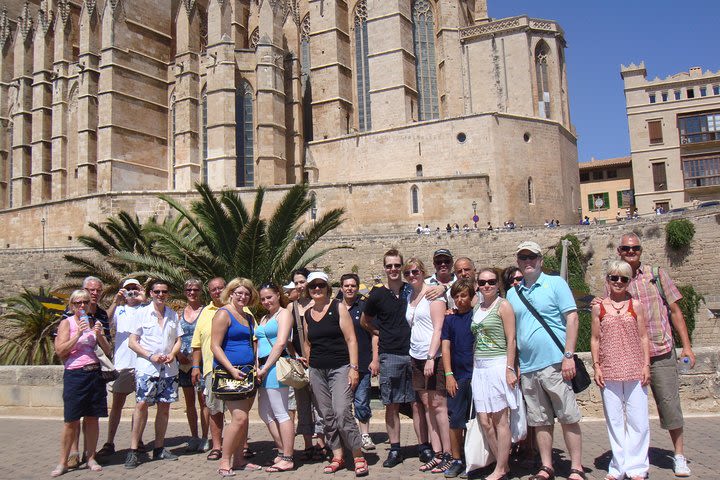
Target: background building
(403,111)
(674,128)
(606,188)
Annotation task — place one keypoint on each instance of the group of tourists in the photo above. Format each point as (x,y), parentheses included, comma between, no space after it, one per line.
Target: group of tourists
(447,345)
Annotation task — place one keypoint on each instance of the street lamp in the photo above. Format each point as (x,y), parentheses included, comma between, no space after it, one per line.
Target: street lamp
(475,217)
(42,221)
(313,214)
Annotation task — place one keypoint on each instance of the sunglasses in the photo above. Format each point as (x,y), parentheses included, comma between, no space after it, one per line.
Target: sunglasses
(160,292)
(627,248)
(318,286)
(192,289)
(482,283)
(618,278)
(519,278)
(530,256)
(445,261)
(82,302)
(390,266)
(414,271)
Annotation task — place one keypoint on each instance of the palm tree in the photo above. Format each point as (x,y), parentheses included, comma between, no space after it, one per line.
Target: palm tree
(222,238)
(33,325)
(123,233)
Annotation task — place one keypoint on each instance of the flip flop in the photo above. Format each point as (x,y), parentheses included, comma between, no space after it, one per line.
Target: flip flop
(226,472)
(248,467)
(59,470)
(94,466)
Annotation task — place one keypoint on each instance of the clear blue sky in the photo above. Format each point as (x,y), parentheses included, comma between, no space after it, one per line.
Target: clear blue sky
(669,35)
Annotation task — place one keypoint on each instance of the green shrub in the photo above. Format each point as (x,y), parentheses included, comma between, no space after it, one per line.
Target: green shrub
(679,233)
(689,305)
(584,331)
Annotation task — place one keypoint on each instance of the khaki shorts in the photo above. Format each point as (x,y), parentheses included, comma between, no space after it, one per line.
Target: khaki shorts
(125,383)
(547,396)
(665,386)
(214,404)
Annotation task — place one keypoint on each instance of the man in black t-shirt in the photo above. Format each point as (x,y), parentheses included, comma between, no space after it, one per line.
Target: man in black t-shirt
(384,316)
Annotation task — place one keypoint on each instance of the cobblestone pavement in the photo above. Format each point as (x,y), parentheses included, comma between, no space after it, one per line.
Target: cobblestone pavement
(30,447)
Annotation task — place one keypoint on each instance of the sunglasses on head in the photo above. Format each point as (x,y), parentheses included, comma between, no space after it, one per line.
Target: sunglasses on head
(319,285)
(627,248)
(414,271)
(390,266)
(618,278)
(269,285)
(492,282)
(529,256)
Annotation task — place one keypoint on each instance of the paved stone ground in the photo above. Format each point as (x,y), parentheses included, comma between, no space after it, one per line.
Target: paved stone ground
(29,449)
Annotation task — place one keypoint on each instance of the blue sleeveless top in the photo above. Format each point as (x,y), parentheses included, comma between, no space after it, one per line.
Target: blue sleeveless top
(237,343)
(266,337)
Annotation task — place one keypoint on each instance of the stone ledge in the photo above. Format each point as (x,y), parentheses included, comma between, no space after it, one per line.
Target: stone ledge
(37,390)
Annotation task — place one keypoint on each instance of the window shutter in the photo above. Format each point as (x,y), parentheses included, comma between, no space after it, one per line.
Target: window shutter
(655,131)
(606,199)
(591,204)
(620,198)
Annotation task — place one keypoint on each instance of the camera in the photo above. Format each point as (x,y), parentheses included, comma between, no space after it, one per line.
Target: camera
(131,294)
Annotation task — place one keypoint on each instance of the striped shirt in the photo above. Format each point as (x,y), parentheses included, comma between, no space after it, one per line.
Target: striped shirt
(642,288)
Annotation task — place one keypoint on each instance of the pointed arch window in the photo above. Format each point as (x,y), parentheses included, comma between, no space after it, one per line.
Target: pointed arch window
(542,52)
(173,126)
(9,143)
(244,139)
(305,83)
(203,126)
(530,192)
(362,69)
(415,199)
(425,66)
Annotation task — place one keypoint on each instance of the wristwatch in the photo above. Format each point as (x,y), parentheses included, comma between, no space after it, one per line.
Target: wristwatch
(354,367)
(568,354)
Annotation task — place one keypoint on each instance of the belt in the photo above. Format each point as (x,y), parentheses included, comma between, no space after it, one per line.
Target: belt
(91,367)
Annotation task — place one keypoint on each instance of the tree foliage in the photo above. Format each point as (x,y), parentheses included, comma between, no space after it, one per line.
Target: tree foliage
(679,233)
(216,235)
(31,326)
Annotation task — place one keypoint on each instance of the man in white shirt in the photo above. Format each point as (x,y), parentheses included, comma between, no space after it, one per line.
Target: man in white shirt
(156,340)
(127,302)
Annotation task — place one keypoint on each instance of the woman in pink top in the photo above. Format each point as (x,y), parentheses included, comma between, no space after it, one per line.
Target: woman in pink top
(84,393)
(621,360)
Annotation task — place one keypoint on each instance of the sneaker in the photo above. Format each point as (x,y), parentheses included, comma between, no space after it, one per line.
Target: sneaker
(131,461)
(681,469)
(106,450)
(367,443)
(205,445)
(193,445)
(456,468)
(163,453)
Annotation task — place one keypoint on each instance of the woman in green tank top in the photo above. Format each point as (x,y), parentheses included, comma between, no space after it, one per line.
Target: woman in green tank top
(494,374)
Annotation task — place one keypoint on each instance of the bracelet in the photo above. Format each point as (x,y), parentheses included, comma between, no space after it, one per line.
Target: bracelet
(447,374)
(511,369)
(196,366)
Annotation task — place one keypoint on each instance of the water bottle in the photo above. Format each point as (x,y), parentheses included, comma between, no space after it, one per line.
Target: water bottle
(684,365)
(84,317)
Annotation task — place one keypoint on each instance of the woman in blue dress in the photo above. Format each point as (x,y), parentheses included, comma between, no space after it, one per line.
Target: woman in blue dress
(273,336)
(233,348)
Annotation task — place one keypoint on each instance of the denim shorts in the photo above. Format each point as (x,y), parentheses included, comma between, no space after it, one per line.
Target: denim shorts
(459,405)
(152,390)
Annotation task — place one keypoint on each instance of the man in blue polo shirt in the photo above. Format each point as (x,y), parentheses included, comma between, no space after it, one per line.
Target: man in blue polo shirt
(545,370)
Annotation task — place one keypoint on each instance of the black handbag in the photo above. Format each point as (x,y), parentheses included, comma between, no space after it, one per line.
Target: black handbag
(581,380)
(224,386)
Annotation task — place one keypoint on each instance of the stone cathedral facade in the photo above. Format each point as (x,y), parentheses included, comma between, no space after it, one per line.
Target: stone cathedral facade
(401,111)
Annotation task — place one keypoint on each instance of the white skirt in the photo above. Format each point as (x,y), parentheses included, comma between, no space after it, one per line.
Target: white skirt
(491,392)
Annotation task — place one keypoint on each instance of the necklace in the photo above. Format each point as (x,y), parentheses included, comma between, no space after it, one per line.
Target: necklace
(617,309)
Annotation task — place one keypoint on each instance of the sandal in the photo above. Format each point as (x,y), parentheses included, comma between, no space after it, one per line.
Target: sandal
(434,462)
(334,465)
(106,450)
(94,466)
(59,470)
(73,460)
(247,467)
(283,458)
(214,454)
(361,466)
(247,453)
(548,470)
(308,454)
(445,462)
(226,472)
(579,473)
